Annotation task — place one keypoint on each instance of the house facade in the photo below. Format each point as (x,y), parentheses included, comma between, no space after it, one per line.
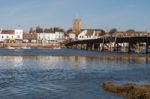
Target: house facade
(70,35)
(30,37)
(15,35)
(50,37)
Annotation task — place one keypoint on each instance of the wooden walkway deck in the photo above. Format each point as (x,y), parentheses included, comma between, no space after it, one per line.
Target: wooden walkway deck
(105,43)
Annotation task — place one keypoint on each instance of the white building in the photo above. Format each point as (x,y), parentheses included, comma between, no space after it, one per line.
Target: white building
(8,35)
(18,34)
(72,36)
(90,34)
(50,37)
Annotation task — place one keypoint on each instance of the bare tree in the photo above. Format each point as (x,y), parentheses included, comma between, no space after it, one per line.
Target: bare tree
(39,29)
(47,30)
(31,30)
(103,32)
(130,31)
(57,29)
(112,31)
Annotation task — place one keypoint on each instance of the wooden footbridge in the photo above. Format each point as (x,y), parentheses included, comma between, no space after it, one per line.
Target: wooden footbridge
(130,43)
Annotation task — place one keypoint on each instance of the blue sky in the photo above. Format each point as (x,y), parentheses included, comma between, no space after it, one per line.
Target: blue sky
(106,14)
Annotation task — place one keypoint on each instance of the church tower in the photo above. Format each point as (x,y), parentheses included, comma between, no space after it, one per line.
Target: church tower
(76,26)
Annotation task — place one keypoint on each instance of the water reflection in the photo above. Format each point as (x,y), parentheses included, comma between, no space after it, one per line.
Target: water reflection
(13,62)
(127,58)
(17,62)
(71,62)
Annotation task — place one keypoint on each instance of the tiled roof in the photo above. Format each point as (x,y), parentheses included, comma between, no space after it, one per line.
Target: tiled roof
(7,32)
(90,32)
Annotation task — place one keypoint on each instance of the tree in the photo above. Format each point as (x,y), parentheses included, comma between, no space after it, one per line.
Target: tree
(57,29)
(130,31)
(47,30)
(39,29)
(103,32)
(31,30)
(112,31)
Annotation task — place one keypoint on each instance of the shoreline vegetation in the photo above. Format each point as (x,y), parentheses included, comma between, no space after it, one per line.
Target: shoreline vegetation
(129,90)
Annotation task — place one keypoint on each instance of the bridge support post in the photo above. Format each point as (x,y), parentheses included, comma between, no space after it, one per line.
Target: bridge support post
(146,48)
(129,46)
(94,46)
(115,43)
(99,47)
(114,49)
(86,46)
(81,46)
(117,47)
(102,47)
(91,46)
(70,47)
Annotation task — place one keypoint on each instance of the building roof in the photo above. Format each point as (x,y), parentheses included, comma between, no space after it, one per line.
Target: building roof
(8,32)
(92,29)
(90,32)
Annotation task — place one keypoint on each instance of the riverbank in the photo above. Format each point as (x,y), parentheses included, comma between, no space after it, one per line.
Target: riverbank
(32,46)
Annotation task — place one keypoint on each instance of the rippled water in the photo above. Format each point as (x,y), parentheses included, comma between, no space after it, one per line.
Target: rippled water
(36,74)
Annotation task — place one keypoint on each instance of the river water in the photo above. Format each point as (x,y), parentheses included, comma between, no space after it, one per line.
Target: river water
(67,74)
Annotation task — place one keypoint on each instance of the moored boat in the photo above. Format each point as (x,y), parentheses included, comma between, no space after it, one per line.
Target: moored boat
(9,47)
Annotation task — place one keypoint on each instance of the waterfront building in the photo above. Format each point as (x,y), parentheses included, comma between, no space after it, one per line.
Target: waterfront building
(9,36)
(30,37)
(71,36)
(90,34)
(51,35)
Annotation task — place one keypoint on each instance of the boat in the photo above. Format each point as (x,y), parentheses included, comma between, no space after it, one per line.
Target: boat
(26,47)
(9,47)
(56,47)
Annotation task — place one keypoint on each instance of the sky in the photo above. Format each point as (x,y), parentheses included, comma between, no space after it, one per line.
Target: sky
(103,14)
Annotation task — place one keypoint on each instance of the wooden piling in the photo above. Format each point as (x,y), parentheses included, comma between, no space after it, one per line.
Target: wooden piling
(129,46)
(102,47)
